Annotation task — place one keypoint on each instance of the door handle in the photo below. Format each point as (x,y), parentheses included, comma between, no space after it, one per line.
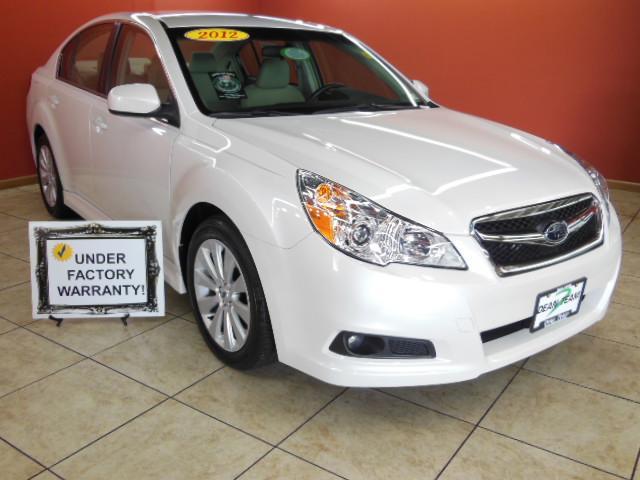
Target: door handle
(99,124)
(54,101)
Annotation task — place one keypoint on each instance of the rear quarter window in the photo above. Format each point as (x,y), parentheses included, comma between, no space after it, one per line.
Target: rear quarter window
(84,57)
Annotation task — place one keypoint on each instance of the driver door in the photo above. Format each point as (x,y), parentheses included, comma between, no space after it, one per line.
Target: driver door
(132,155)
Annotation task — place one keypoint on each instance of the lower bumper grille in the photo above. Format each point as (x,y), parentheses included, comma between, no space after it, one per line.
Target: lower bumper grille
(532,237)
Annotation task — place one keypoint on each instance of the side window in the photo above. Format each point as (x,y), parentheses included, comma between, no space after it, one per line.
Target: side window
(136,61)
(84,56)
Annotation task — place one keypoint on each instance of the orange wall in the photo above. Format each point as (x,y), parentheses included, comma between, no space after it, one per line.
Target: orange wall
(567,70)
(31,31)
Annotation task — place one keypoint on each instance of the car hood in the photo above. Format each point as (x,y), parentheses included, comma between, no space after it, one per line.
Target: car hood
(435,166)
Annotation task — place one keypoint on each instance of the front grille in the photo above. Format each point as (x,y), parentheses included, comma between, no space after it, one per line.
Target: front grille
(516,242)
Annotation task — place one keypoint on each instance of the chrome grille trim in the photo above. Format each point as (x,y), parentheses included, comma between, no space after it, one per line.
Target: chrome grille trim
(538,238)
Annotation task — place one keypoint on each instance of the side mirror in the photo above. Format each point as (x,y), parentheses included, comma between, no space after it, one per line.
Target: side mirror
(421,88)
(135,99)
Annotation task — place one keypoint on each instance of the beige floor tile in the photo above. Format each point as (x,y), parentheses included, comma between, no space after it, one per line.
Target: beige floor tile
(169,358)
(56,416)
(628,291)
(46,475)
(631,237)
(92,335)
(270,402)
(593,362)
(15,243)
(31,188)
(6,326)
(465,400)
(12,271)
(582,424)
(621,324)
(624,221)
(189,317)
(171,441)
(626,203)
(8,222)
(631,264)
(27,205)
(368,435)
(176,303)
(15,304)
(489,456)
(14,465)
(279,465)
(26,357)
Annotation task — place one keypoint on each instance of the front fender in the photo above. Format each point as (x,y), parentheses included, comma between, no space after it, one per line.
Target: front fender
(262,202)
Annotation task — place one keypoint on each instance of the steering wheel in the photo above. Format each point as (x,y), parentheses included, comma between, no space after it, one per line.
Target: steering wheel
(323,89)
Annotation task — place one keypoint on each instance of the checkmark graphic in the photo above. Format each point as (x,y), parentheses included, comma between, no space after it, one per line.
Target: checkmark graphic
(62,252)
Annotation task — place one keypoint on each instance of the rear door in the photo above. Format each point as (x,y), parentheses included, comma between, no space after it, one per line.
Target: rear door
(132,155)
(78,85)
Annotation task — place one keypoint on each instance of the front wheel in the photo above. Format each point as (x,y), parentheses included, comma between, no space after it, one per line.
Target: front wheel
(227,296)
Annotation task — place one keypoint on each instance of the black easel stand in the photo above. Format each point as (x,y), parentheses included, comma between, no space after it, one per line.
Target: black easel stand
(58,320)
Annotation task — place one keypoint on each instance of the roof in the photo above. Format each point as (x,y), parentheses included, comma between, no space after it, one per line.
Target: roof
(214,19)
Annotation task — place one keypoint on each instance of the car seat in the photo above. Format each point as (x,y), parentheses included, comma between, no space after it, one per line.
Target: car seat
(272,86)
(202,65)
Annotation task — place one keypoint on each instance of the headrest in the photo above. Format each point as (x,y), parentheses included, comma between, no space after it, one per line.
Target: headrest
(202,62)
(274,73)
(271,51)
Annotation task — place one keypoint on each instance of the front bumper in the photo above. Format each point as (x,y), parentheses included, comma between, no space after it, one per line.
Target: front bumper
(314,292)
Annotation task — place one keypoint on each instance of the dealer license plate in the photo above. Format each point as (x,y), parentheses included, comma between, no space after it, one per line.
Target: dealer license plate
(557,304)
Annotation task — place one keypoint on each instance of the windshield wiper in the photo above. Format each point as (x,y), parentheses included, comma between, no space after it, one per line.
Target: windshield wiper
(254,113)
(367,107)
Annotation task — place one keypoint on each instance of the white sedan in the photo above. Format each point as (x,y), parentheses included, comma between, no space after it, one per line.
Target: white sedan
(318,208)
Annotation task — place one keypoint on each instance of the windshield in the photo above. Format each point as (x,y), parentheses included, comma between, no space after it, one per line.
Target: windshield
(235,71)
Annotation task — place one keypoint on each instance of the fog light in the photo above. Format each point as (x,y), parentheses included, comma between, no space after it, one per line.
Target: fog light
(378,346)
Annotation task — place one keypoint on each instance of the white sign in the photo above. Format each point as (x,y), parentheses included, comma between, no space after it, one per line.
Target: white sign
(109,268)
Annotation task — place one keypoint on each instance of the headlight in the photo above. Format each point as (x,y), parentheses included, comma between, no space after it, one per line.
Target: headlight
(597,178)
(365,230)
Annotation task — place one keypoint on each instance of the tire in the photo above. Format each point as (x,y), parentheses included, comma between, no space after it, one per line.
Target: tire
(221,308)
(49,180)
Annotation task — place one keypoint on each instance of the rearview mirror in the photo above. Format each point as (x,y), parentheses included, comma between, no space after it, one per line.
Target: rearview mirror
(135,99)
(421,88)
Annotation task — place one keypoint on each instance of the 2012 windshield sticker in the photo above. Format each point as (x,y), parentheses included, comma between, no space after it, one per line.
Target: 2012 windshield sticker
(216,35)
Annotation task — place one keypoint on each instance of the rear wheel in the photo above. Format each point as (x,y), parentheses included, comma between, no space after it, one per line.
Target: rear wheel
(49,179)
(227,296)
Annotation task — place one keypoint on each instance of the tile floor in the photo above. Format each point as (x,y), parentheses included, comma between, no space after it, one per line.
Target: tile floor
(95,400)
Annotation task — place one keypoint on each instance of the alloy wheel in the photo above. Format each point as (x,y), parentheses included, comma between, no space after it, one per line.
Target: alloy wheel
(221,294)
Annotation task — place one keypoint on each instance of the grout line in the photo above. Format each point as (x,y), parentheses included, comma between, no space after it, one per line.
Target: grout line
(475,427)
(609,340)
(14,285)
(586,387)
(255,462)
(2,439)
(626,304)
(224,422)
(393,395)
(277,446)
(84,357)
(636,466)
(131,337)
(551,452)
(287,452)
(3,396)
(97,439)
(15,258)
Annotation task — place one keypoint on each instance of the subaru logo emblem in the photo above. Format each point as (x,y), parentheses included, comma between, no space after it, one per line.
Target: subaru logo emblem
(557,232)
